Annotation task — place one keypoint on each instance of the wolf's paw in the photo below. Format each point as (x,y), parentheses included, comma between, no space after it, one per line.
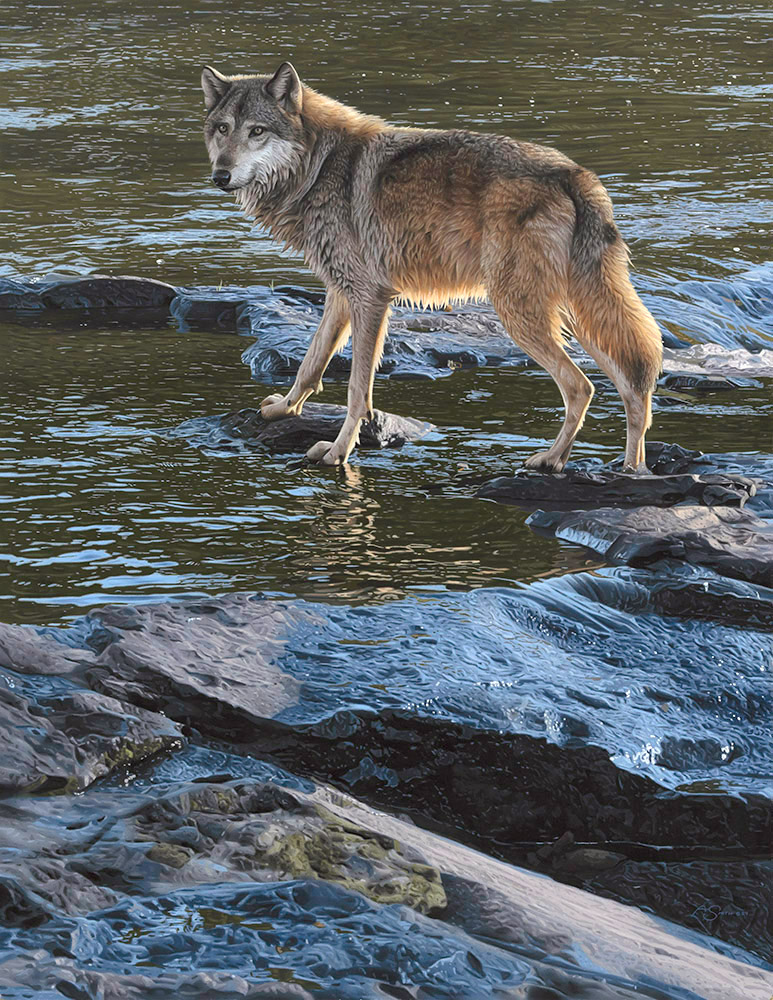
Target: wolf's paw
(275,408)
(325,453)
(544,461)
(637,470)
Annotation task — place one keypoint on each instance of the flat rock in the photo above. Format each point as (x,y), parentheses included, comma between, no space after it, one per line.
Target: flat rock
(595,487)
(225,656)
(68,737)
(732,542)
(102,291)
(318,422)
(427,345)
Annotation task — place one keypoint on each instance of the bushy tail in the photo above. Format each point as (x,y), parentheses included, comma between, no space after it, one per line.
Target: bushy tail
(609,316)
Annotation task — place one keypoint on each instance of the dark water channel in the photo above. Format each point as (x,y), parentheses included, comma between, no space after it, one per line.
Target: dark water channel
(166,827)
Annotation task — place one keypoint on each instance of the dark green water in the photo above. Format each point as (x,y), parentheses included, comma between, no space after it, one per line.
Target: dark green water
(103,164)
(101,507)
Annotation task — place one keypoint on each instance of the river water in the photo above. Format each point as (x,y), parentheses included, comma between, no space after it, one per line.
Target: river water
(425,601)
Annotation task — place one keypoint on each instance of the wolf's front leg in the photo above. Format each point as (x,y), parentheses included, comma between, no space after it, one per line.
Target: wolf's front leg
(369,325)
(332,333)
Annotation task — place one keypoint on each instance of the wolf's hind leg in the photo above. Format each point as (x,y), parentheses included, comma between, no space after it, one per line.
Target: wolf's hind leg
(637,403)
(369,326)
(538,332)
(330,336)
(620,334)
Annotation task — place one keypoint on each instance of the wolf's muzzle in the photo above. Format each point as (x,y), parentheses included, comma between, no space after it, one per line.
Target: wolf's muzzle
(222,178)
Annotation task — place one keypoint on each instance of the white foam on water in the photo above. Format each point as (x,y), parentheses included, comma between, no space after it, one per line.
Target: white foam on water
(713,359)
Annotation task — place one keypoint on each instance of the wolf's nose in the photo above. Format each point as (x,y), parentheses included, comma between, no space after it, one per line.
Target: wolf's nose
(221,177)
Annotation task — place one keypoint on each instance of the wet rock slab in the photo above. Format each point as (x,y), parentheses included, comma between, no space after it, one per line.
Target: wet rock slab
(732,542)
(589,488)
(492,930)
(246,429)
(247,832)
(62,738)
(644,757)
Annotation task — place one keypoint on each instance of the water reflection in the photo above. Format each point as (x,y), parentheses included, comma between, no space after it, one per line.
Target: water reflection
(99,506)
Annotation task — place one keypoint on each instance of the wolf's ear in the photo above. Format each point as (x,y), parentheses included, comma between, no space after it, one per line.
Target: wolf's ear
(285,87)
(214,85)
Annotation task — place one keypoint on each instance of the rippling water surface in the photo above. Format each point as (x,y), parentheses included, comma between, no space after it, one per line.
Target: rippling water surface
(103,163)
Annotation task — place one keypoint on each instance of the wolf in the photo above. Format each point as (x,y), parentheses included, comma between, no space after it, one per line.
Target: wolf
(433,217)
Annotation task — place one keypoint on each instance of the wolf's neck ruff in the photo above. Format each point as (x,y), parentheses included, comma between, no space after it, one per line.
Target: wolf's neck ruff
(269,198)
(274,199)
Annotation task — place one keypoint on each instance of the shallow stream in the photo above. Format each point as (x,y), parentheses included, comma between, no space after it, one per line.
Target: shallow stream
(426,651)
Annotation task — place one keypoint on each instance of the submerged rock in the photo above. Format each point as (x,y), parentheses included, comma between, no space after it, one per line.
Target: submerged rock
(705,382)
(318,422)
(732,542)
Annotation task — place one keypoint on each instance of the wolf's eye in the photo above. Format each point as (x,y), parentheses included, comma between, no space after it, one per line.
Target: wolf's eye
(222,129)
(258,130)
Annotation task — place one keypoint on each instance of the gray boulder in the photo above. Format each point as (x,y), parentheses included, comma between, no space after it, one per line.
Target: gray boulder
(246,429)
(732,542)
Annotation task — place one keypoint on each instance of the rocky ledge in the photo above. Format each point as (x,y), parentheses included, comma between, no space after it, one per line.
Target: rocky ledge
(732,542)
(313,894)
(648,762)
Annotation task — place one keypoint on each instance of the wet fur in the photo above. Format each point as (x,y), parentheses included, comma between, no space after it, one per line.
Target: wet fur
(435,217)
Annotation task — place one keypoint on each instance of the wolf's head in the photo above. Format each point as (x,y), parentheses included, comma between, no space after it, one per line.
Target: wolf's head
(254,132)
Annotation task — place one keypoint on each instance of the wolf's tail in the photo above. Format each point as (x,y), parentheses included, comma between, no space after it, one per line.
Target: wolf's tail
(609,316)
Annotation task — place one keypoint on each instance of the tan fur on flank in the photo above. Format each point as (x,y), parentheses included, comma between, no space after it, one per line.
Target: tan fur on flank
(433,217)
